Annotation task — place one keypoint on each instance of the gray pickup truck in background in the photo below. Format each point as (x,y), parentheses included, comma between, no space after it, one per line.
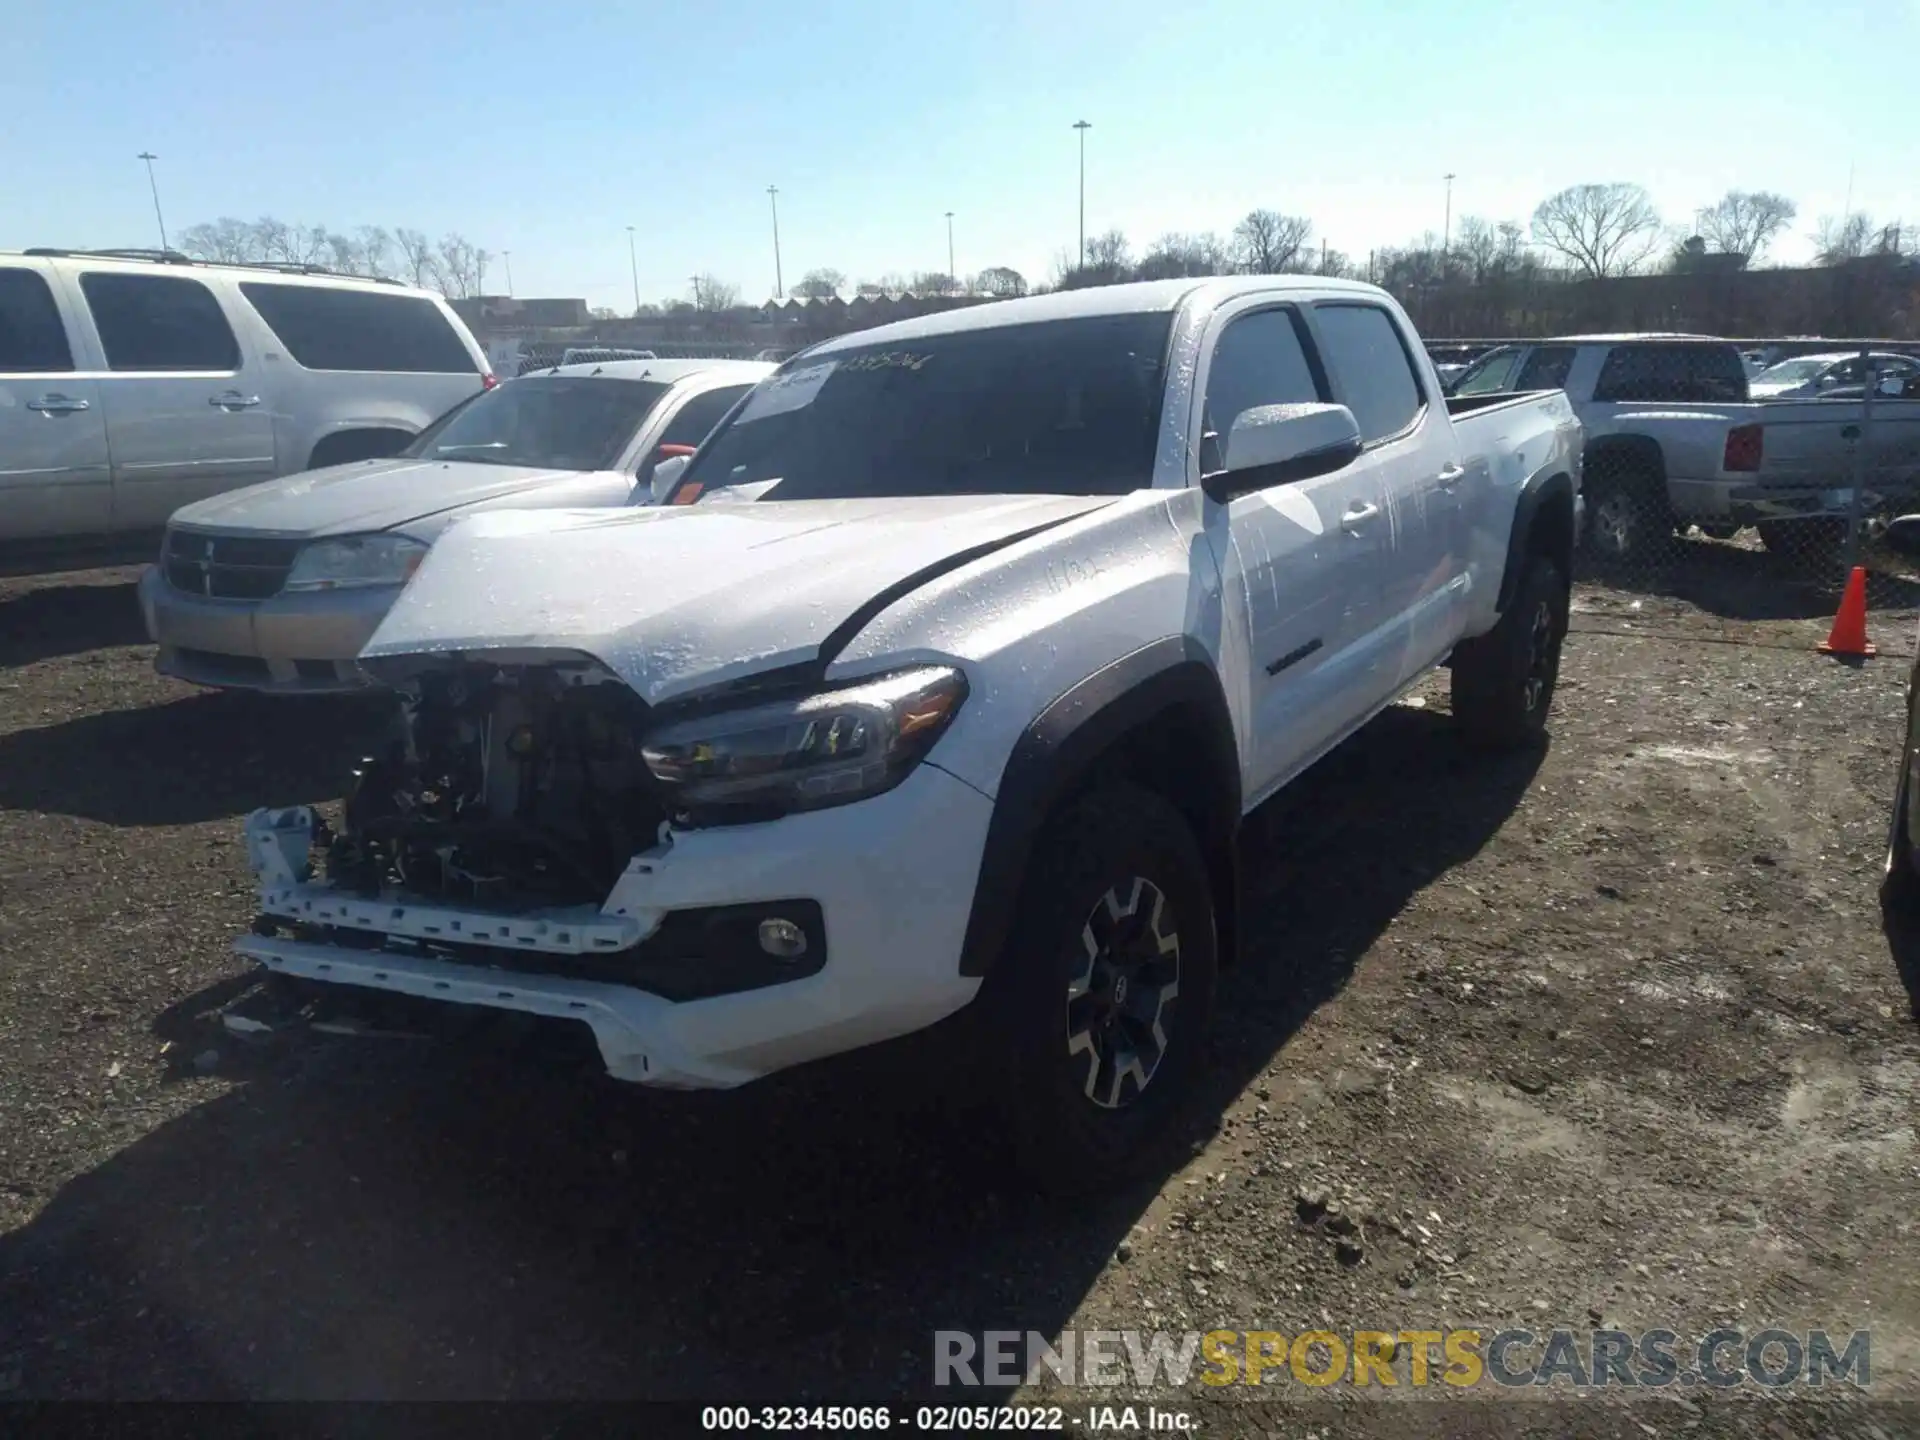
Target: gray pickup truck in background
(1673,440)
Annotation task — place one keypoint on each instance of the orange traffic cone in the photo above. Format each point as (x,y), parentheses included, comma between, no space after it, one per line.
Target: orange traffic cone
(1849,635)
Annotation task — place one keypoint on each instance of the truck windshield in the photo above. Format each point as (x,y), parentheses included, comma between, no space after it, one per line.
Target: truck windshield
(561,422)
(1062,407)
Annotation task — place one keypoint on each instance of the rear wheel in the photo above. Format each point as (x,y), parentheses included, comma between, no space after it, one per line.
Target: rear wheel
(1623,523)
(1104,994)
(1503,681)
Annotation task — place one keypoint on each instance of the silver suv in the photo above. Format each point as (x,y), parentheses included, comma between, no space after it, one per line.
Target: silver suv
(133,383)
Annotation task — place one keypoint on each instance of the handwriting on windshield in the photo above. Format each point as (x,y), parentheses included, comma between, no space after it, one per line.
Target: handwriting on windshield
(885,360)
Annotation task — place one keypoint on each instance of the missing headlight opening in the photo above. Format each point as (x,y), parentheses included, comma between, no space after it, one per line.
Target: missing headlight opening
(508,786)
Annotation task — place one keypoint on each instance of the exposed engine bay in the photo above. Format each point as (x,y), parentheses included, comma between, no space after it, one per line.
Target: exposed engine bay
(506,786)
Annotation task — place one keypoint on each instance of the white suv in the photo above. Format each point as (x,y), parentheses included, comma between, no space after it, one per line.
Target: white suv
(134,383)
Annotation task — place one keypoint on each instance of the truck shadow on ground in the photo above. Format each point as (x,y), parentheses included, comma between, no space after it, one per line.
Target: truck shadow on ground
(1734,582)
(55,620)
(401,1220)
(209,756)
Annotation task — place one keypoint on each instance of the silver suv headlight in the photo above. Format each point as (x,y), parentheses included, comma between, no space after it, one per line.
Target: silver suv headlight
(823,749)
(356,560)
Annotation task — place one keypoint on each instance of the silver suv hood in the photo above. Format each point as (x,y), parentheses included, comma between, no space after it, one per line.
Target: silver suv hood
(675,600)
(366,495)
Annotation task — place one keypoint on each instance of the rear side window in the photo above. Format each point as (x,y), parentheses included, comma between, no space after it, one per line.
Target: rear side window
(1546,369)
(1372,367)
(159,322)
(32,339)
(1260,360)
(327,329)
(1677,374)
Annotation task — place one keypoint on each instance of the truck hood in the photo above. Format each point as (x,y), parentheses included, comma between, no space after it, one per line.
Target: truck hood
(678,599)
(364,495)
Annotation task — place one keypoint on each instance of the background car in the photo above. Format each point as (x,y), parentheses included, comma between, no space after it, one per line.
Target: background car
(278,586)
(1811,376)
(134,382)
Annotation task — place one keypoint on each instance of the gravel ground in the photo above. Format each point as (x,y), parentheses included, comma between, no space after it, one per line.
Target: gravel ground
(1611,1034)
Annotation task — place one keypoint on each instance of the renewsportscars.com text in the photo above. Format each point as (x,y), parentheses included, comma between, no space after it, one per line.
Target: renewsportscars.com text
(1460,1358)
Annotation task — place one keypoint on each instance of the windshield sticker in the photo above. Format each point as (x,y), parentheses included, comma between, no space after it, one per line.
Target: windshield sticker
(793,391)
(885,360)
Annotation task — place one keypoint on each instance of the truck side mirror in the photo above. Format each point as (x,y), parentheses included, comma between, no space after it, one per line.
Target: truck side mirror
(667,474)
(1277,444)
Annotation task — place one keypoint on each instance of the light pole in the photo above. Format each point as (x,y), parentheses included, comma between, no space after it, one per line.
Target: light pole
(1446,231)
(1083,126)
(779,281)
(950,271)
(506,257)
(634,266)
(153,185)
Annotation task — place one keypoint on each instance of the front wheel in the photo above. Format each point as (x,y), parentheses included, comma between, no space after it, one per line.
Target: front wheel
(1900,887)
(1503,681)
(1105,991)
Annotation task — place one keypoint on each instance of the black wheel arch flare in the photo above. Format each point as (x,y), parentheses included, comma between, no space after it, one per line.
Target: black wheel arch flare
(1170,684)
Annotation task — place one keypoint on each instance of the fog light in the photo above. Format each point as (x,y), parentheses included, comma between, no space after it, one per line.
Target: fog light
(782,939)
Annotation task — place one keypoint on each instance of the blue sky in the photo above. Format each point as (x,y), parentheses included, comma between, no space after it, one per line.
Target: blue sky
(546,129)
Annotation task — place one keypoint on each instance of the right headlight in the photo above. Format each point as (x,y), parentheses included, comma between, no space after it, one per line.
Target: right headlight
(353,561)
(827,748)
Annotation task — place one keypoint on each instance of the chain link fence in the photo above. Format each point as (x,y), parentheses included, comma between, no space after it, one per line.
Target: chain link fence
(1739,514)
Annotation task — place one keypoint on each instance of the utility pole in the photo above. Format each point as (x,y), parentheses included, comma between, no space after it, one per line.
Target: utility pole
(506,257)
(1083,126)
(634,266)
(153,185)
(779,281)
(1446,231)
(950,271)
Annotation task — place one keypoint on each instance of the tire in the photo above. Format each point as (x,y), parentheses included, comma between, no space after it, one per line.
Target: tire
(1119,871)
(1503,681)
(1622,522)
(1900,887)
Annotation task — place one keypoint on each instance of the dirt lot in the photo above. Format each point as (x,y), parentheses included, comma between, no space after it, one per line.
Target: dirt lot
(1606,1035)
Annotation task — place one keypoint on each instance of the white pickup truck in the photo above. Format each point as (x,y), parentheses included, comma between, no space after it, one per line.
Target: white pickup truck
(938,687)
(1673,440)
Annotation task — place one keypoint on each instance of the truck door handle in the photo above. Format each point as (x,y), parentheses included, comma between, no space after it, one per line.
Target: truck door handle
(57,404)
(1451,476)
(234,400)
(1357,516)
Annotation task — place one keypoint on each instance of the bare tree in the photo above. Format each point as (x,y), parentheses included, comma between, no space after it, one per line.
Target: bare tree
(373,251)
(458,266)
(1335,264)
(1745,222)
(416,256)
(710,294)
(227,240)
(1857,235)
(1001,281)
(1601,230)
(1109,251)
(934,282)
(1173,256)
(1476,247)
(819,285)
(1269,243)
